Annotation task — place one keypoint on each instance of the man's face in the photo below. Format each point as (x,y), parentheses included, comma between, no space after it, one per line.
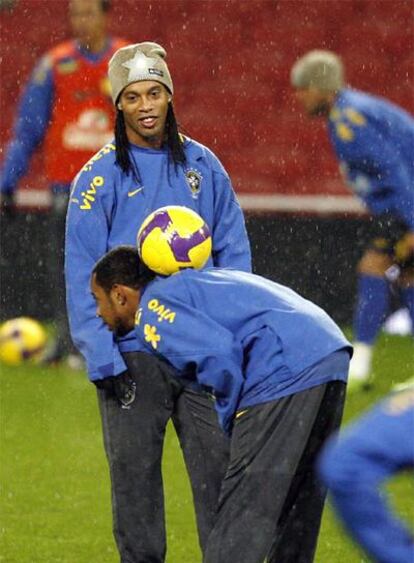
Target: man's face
(110,310)
(145,106)
(314,102)
(87,20)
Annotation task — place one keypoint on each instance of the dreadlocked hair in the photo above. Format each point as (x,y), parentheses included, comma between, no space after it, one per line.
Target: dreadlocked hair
(121,143)
(174,142)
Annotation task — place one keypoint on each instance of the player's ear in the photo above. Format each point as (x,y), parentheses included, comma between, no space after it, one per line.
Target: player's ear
(119,106)
(118,294)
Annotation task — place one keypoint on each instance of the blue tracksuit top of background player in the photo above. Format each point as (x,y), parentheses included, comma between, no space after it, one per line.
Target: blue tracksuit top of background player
(374,142)
(107,208)
(370,451)
(247,339)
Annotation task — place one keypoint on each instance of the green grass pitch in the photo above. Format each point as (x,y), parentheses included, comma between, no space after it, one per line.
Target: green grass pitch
(55,503)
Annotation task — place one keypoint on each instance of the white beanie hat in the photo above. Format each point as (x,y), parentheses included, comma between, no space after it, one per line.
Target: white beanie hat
(142,61)
(319,69)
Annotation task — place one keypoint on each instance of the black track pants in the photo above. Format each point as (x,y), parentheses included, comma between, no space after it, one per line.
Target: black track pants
(134,439)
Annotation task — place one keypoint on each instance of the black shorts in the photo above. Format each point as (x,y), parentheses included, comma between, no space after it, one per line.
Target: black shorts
(388,238)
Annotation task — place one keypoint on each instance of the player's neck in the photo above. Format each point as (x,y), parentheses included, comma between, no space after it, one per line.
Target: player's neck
(156,142)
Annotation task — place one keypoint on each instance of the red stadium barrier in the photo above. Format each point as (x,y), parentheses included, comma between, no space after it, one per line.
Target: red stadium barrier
(230,63)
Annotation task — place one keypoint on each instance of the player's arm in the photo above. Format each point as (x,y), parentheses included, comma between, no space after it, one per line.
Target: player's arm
(368,453)
(86,241)
(199,349)
(231,246)
(30,126)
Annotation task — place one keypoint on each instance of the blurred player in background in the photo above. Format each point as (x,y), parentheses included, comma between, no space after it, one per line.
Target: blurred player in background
(373,141)
(149,165)
(277,366)
(369,452)
(66,106)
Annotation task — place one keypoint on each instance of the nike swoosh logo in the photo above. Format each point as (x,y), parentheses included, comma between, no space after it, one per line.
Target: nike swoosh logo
(240,413)
(134,192)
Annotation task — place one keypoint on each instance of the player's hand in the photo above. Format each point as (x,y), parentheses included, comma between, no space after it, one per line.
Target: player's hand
(7,205)
(121,386)
(125,389)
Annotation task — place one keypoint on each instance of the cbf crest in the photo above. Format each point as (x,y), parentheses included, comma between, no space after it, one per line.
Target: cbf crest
(194,178)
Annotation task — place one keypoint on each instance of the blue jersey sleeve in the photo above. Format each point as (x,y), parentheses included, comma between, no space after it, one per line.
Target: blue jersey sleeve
(89,214)
(231,247)
(199,348)
(375,448)
(32,121)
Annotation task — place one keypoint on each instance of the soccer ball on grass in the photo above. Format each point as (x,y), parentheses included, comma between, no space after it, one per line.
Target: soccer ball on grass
(21,340)
(172,238)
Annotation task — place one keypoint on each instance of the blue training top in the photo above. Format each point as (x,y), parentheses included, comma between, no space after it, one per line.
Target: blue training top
(374,142)
(247,339)
(369,452)
(107,208)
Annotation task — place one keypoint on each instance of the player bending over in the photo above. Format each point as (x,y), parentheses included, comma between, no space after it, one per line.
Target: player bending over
(277,367)
(377,447)
(373,140)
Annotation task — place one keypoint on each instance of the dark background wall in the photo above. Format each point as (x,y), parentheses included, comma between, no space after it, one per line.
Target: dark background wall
(315,256)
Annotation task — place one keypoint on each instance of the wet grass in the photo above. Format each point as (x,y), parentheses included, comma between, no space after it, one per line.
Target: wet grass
(55,504)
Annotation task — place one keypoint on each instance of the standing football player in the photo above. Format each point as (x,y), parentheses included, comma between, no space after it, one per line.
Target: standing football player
(373,140)
(277,366)
(148,165)
(66,106)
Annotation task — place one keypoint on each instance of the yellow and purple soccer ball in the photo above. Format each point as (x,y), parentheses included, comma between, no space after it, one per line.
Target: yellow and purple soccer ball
(21,339)
(173,238)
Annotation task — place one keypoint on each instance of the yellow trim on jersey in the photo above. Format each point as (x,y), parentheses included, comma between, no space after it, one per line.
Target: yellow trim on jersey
(138,316)
(335,114)
(344,132)
(135,192)
(151,336)
(355,117)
